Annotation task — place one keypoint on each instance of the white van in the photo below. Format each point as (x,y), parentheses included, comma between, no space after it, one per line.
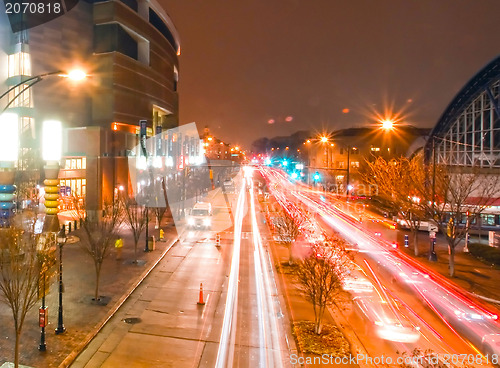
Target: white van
(200,216)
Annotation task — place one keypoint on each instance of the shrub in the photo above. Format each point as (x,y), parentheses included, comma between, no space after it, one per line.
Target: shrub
(331,341)
(486,253)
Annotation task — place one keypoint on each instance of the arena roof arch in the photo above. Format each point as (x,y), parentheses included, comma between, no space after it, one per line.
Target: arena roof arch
(468,132)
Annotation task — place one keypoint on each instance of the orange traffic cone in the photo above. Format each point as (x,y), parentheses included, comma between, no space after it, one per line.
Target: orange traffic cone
(200,301)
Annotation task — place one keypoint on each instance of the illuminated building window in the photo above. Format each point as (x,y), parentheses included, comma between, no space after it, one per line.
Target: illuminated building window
(27,124)
(23,99)
(488,219)
(75,163)
(340,164)
(355,163)
(19,64)
(73,187)
(375,149)
(25,159)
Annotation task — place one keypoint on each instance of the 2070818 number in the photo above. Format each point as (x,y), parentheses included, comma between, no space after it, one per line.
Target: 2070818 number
(33,8)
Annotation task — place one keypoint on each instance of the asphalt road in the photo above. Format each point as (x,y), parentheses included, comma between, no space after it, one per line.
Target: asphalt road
(162,325)
(413,297)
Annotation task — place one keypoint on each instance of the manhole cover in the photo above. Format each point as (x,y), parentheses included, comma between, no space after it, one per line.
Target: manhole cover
(132,320)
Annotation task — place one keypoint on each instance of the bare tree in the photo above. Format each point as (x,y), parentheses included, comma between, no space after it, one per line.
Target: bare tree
(461,194)
(321,274)
(400,182)
(159,213)
(451,197)
(136,217)
(26,258)
(288,228)
(99,231)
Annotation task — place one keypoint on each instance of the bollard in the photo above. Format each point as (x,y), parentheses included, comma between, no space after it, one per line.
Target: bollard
(74,224)
(200,300)
(69,226)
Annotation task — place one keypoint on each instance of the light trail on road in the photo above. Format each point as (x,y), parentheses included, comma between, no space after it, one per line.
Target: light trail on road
(462,315)
(225,353)
(269,336)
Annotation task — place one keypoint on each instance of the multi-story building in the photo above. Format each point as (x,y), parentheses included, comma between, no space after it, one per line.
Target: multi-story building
(215,149)
(341,155)
(130,51)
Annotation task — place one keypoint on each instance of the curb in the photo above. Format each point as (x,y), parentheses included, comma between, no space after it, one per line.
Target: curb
(76,352)
(490,300)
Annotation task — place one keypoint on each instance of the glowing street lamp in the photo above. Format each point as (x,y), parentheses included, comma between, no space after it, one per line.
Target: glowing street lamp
(74,75)
(9,147)
(325,139)
(51,153)
(387,124)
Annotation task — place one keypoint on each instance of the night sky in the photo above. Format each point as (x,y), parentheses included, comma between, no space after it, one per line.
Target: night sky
(248,66)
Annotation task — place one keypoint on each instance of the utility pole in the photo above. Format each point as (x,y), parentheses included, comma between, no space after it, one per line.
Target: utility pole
(348,168)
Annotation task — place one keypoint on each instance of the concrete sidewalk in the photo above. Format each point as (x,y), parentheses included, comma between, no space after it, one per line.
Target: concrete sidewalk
(82,317)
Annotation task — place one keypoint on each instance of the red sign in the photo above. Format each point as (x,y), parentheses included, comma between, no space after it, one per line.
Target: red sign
(43,316)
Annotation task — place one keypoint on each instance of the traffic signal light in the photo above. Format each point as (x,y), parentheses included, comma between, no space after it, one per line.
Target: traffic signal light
(316,176)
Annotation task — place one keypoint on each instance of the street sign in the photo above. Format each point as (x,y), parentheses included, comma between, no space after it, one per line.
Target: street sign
(142,136)
(432,227)
(43,316)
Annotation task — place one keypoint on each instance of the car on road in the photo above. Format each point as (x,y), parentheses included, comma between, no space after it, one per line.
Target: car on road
(384,322)
(200,216)
(228,185)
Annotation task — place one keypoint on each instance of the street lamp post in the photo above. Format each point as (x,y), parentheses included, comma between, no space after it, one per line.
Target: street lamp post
(75,75)
(61,240)
(348,170)
(146,247)
(43,321)
(432,252)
